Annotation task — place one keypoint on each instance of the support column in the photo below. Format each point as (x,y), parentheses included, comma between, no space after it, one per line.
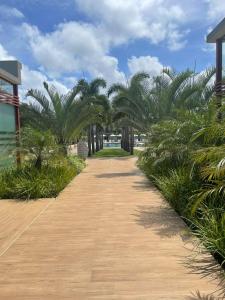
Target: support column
(219,67)
(17,119)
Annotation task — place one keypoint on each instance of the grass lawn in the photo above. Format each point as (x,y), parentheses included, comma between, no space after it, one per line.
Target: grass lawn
(111,153)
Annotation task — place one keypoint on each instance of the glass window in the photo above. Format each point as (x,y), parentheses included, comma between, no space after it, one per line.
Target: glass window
(7,118)
(223,60)
(6,86)
(7,135)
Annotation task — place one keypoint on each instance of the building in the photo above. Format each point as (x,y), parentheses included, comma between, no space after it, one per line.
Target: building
(10,78)
(217,36)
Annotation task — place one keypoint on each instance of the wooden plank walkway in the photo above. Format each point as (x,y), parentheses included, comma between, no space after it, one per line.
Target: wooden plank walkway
(107,236)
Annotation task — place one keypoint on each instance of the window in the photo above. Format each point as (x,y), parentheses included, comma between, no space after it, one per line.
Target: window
(223,60)
(6,86)
(7,134)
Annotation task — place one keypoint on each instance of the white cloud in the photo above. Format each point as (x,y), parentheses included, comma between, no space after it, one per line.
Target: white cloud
(10,12)
(176,39)
(148,64)
(73,47)
(155,20)
(32,78)
(76,47)
(216,10)
(85,47)
(4,55)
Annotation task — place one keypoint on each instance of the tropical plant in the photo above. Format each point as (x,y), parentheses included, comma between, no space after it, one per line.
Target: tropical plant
(210,159)
(37,146)
(209,227)
(177,187)
(130,109)
(90,93)
(64,115)
(173,92)
(29,182)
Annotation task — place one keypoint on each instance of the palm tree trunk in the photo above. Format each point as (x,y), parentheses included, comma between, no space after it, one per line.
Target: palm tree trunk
(131,141)
(122,138)
(127,139)
(63,146)
(38,163)
(89,140)
(93,139)
(101,140)
(97,139)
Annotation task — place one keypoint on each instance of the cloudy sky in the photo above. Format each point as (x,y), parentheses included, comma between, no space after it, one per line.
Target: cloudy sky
(61,41)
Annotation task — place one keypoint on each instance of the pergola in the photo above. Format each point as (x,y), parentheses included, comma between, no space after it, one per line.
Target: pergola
(217,36)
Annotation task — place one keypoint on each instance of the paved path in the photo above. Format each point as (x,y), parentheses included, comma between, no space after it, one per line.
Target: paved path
(107,236)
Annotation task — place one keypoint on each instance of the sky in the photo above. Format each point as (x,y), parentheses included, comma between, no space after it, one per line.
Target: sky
(63,41)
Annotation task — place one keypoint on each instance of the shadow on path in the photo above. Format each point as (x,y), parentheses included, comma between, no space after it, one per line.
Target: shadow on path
(144,185)
(166,223)
(119,174)
(201,262)
(162,220)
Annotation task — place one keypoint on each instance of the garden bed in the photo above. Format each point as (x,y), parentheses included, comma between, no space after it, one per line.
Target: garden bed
(28,182)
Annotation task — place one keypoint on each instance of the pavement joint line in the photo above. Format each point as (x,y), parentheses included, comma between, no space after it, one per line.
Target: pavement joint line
(27,227)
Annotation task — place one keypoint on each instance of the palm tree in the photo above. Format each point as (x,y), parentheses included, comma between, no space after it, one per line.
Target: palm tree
(129,107)
(90,92)
(63,115)
(37,145)
(173,92)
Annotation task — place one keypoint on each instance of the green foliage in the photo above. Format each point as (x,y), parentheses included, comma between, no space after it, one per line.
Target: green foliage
(211,161)
(210,230)
(177,188)
(37,146)
(185,153)
(111,153)
(28,182)
(168,147)
(64,115)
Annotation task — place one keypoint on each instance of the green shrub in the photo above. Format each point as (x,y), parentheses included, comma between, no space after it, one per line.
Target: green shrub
(28,182)
(177,188)
(38,147)
(210,229)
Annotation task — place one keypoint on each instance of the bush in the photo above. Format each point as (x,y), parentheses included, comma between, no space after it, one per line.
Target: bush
(177,188)
(210,229)
(28,182)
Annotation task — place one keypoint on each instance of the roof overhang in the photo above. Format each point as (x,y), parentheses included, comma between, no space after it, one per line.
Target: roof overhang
(218,33)
(10,70)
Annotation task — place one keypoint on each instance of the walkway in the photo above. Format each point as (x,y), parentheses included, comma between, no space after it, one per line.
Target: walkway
(107,236)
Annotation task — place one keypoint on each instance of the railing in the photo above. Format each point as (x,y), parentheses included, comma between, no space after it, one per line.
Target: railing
(9,99)
(220,89)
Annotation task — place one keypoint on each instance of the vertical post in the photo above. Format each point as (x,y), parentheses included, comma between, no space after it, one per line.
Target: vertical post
(93,139)
(17,119)
(97,134)
(131,141)
(89,140)
(219,67)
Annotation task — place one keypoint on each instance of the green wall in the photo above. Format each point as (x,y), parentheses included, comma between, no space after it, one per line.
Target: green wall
(7,134)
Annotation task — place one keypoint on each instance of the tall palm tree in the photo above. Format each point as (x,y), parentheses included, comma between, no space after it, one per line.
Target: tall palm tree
(64,115)
(90,92)
(129,107)
(145,102)
(186,90)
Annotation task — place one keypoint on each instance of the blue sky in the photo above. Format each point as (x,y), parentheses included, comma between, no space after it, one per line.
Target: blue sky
(61,41)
